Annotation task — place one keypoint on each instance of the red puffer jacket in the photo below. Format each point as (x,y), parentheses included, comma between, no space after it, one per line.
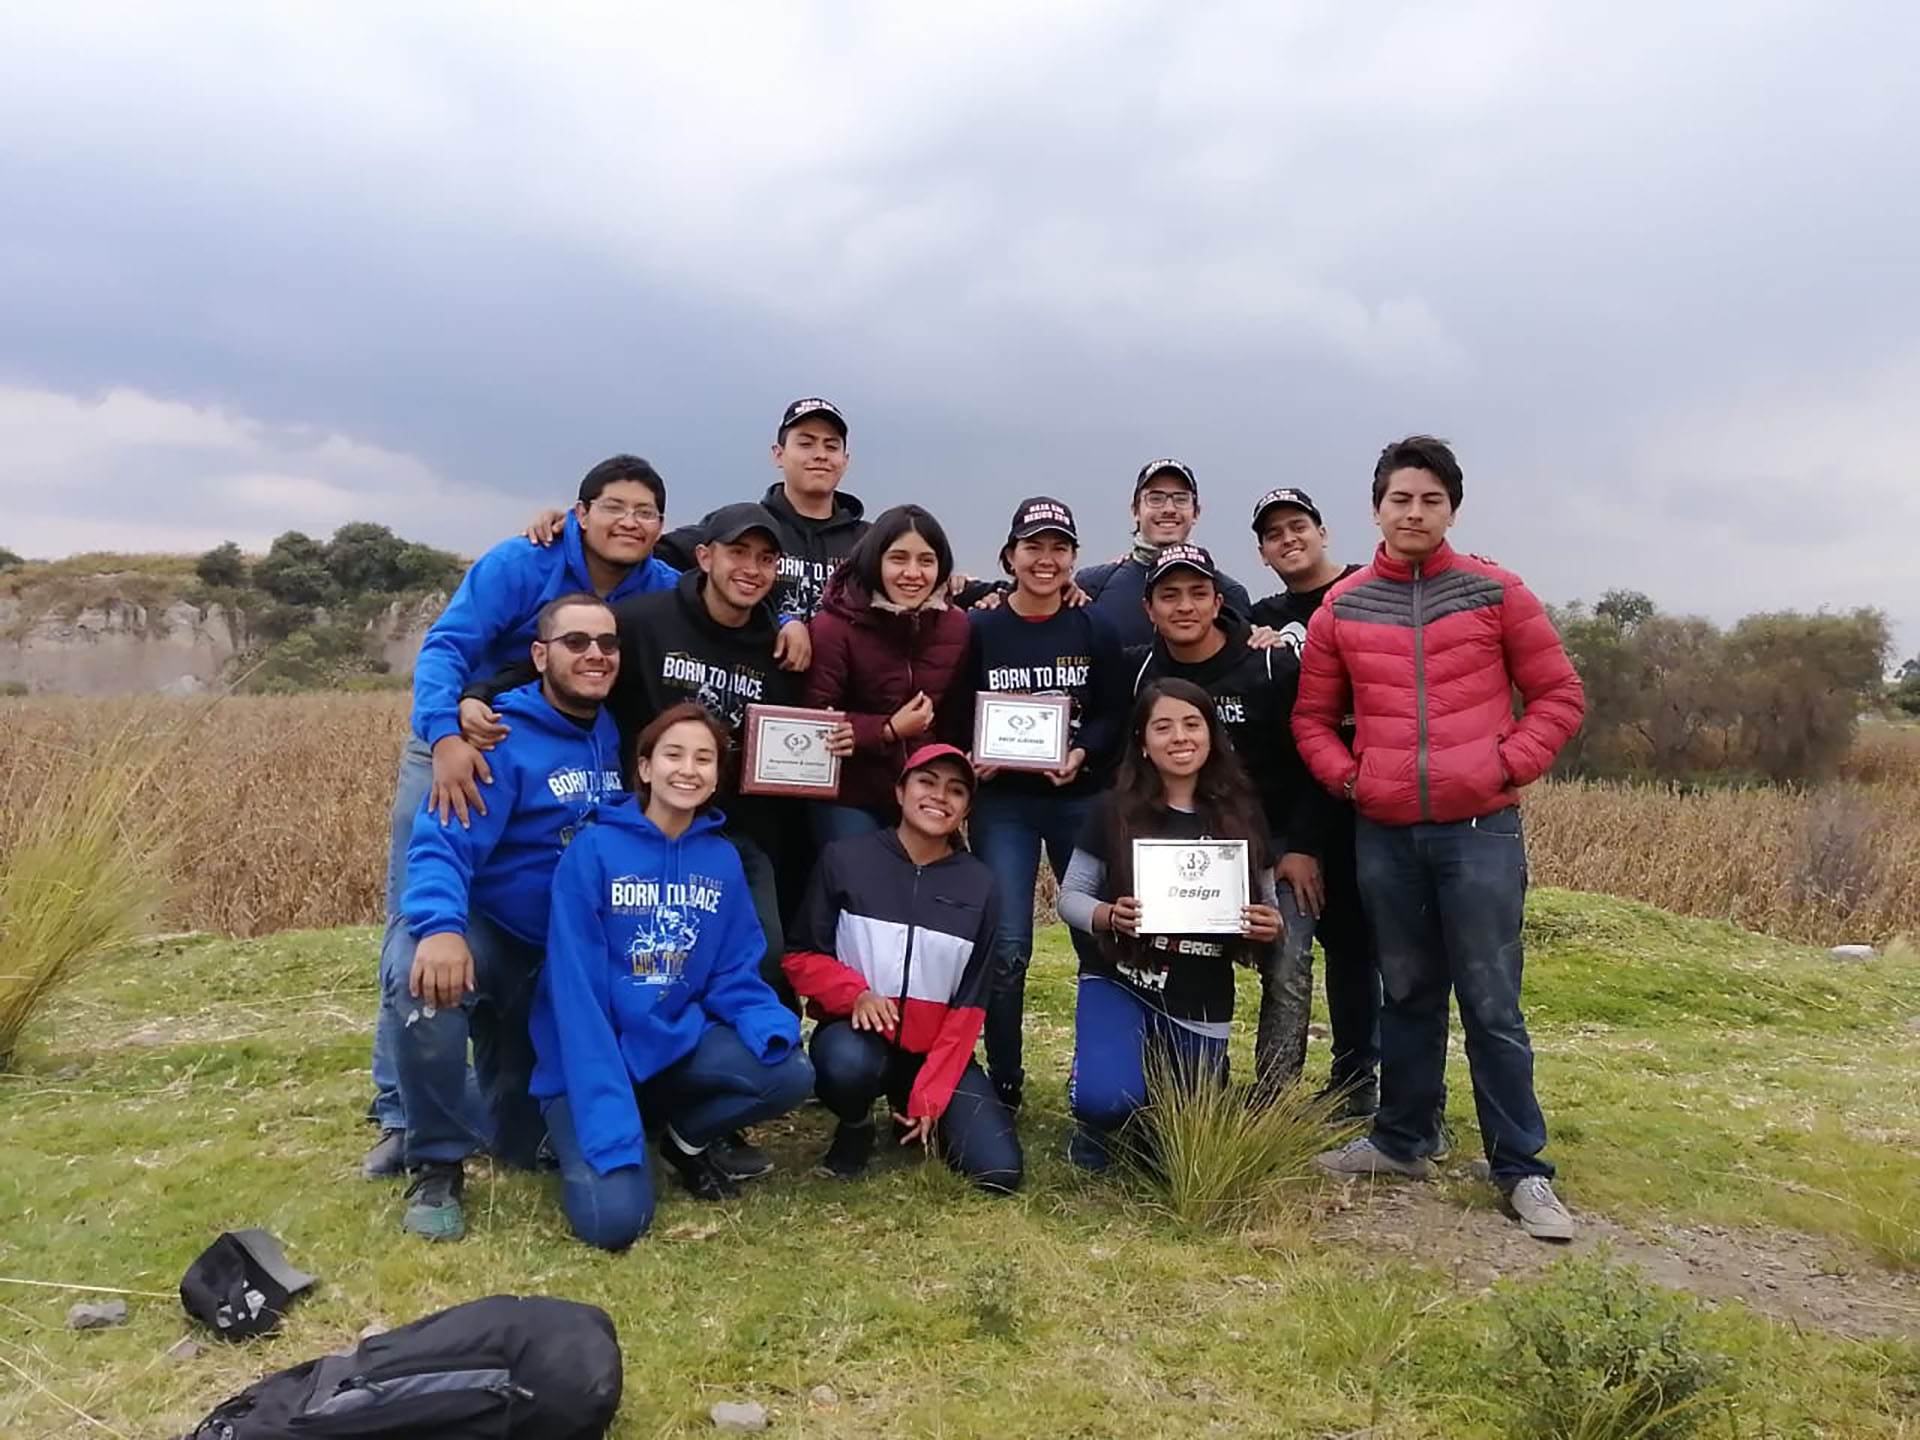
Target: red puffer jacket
(869,659)
(1430,658)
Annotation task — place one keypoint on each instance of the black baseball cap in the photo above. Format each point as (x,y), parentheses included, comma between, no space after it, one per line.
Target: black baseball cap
(241,1284)
(1165,467)
(1181,556)
(730,522)
(1040,514)
(808,408)
(1285,495)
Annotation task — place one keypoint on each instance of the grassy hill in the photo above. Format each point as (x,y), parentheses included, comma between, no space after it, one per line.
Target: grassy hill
(1733,1114)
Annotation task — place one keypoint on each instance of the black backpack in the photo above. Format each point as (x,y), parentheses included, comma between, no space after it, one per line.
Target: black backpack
(503,1368)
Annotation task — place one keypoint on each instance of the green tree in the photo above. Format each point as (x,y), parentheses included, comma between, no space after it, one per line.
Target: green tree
(8,560)
(223,567)
(1627,609)
(1905,690)
(1799,683)
(363,558)
(294,571)
(421,567)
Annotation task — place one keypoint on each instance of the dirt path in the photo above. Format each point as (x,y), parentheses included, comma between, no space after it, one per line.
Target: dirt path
(1791,1277)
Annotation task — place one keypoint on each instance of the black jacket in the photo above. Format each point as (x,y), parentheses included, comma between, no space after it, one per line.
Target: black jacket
(1253,693)
(1118,592)
(1291,607)
(810,550)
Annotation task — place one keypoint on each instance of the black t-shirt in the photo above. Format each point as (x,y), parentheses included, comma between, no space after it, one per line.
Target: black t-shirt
(1186,977)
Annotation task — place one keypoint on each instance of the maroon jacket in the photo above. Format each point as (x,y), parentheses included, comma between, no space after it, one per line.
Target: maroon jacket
(869,659)
(1427,659)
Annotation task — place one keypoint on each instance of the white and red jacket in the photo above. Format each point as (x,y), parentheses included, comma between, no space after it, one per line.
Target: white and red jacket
(921,935)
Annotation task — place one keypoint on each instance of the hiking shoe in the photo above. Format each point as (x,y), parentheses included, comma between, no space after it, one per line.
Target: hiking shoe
(388,1157)
(1363,1157)
(1088,1151)
(699,1172)
(1441,1150)
(739,1158)
(848,1154)
(433,1202)
(1540,1212)
(1350,1099)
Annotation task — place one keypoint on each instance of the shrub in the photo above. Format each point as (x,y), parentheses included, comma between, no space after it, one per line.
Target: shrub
(222,568)
(1218,1157)
(1594,1351)
(82,874)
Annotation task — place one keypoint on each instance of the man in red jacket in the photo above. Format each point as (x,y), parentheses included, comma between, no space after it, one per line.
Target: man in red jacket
(1426,646)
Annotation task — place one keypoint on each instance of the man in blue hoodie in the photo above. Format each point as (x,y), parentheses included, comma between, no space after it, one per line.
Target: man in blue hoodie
(606,549)
(475,914)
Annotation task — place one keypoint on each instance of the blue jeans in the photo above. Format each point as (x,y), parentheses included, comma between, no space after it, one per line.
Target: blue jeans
(718,1086)
(1446,903)
(1113,1033)
(430,1048)
(976,1134)
(409,797)
(1008,831)
(831,822)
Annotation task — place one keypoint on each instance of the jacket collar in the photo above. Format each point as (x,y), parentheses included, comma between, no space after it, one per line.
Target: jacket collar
(1391,569)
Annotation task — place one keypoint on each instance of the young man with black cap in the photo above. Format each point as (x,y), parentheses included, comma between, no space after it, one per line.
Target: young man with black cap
(1425,647)
(476,910)
(1293,542)
(1036,644)
(1166,506)
(1198,640)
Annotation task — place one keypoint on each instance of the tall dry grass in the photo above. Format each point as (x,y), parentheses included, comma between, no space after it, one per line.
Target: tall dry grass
(284,802)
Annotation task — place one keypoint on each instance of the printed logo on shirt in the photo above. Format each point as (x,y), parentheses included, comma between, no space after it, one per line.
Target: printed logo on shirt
(575,783)
(1292,636)
(668,915)
(1065,672)
(802,585)
(724,693)
(1232,709)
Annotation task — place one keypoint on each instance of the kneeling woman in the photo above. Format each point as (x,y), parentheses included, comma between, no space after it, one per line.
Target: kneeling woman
(1178,780)
(651,1003)
(893,950)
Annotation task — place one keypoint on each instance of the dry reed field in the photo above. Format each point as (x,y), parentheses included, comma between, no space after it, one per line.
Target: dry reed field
(286,800)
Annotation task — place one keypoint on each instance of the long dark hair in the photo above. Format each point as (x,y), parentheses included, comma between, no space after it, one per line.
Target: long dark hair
(647,739)
(863,562)
(1223,796)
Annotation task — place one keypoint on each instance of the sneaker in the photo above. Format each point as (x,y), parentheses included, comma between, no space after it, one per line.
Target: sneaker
(1363,1157)
(739,1158)
(388,1157)
(698,1171)
(1540,1212)
(1087,1151)
(847,1156)
(1441,1150)
(433,1202)
(1011,1093)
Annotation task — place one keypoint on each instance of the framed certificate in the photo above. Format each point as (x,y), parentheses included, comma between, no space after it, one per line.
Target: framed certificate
(1190,887)
(1021,732)
(786,752)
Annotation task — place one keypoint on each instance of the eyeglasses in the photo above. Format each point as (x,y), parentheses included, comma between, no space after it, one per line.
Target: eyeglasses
(616,512)
(1168,499)
(575,642)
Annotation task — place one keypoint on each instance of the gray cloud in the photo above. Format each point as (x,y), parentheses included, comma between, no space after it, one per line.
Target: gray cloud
(1648,266)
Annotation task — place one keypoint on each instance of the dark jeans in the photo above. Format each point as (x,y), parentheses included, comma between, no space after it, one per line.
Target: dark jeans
(1008,831)
(716,1087)
(763,885)
(1352,978)
(1446,904)
(1113,1034)
(430,1048)
(829,822)
(409,796)
(853,1067)
(1286,999)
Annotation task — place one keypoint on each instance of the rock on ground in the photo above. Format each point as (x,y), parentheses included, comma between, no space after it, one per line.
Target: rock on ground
(97,1314)
(739,1418)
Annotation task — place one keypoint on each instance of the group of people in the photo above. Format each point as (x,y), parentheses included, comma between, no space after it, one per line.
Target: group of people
(580,892)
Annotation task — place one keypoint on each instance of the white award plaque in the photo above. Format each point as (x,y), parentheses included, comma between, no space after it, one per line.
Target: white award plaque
(1190,887)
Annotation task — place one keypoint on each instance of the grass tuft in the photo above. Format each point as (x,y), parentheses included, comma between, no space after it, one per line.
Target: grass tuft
(82,876)
(1218,1157)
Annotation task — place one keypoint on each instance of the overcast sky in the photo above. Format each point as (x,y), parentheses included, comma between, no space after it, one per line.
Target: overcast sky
(1651,267)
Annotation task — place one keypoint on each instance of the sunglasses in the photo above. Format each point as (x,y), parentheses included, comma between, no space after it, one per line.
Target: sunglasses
(575,642)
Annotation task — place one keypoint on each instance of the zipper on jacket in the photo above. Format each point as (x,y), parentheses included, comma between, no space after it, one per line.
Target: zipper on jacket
(1420,689)
(906,963)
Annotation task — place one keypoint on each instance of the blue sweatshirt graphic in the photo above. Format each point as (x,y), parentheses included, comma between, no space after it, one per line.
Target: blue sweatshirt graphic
(489,622)
(548,775)
(653,942)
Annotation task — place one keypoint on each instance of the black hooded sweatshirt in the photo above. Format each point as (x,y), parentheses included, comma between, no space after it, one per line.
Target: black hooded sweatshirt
(672,649)
(810,550)
(1253,693)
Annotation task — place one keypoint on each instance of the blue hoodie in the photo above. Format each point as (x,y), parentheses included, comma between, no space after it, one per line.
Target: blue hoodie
(548,775)
(489,622)
(653,942)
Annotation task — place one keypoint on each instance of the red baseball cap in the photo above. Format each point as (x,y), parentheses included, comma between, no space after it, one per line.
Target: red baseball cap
(928,754)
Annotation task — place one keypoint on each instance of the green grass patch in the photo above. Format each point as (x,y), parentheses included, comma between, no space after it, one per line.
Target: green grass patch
(1690,1073)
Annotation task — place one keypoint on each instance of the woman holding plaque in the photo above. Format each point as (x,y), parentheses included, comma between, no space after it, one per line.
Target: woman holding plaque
(1052,689)
(650,1015)
(891,654)
(1164,943)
